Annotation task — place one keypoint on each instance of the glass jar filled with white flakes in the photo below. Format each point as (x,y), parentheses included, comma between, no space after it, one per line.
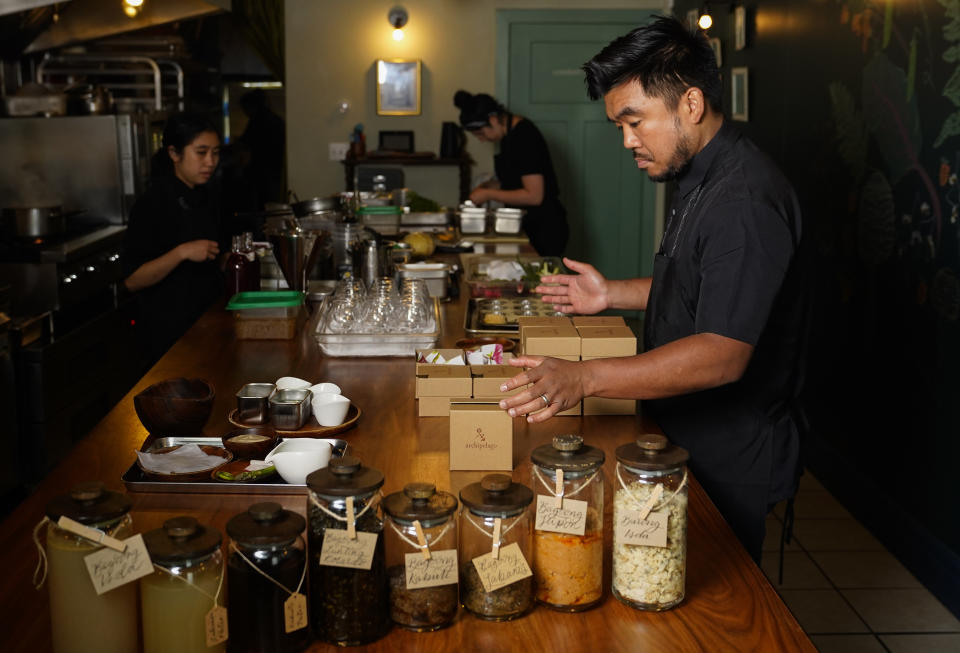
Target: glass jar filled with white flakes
(650,523)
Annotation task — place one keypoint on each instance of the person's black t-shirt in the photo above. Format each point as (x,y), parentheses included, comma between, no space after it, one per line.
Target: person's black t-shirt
(523,151)
(168,214)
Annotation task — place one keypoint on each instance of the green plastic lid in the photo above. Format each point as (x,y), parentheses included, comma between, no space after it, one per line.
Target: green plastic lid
(379,210)
(265,299)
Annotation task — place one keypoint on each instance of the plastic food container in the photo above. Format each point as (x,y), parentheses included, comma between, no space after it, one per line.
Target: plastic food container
(267,314)
(385,219)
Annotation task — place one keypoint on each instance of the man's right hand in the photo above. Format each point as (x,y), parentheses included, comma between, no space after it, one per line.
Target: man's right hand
(199,250)
(585,293)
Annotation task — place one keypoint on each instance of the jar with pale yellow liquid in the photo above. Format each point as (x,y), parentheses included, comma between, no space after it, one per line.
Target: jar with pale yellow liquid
(177,599)
(80,619)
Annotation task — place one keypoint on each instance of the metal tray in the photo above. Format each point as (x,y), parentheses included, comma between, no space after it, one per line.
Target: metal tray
(510,307)
(135,481)
(375,344)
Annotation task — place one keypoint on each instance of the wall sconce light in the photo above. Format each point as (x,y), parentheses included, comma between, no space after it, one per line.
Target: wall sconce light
(132,7)
(398,18)
(706,20)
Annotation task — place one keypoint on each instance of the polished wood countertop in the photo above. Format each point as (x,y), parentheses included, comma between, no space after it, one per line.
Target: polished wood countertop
(729,605)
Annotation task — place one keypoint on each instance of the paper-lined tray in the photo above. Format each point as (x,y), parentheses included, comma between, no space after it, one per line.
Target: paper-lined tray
(135,480)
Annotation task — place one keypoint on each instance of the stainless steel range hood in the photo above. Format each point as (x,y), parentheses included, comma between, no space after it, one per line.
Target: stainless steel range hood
(13,6)
(86,20)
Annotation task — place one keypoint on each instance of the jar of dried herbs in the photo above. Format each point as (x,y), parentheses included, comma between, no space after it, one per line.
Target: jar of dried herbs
(266,580)
(349,599)
(421,539)
(567,479)
(496,581)
(650,524)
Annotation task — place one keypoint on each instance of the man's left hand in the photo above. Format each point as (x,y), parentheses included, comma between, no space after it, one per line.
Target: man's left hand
(553,385)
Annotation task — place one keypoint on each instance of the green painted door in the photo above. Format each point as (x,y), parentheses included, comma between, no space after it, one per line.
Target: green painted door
(611,205)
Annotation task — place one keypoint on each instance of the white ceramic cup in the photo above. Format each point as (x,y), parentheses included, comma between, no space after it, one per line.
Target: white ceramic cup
(330,409)
(291,383)
(296,458)
(321,388)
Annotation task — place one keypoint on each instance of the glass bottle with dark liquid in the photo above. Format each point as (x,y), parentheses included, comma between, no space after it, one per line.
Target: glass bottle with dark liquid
(237,271)
(266,564)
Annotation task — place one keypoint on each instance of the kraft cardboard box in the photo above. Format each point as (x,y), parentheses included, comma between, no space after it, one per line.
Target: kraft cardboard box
(559,341)
(604,406)
(447,354)
(481,435)
(487,380)
(526,321)
(599,320)
(433,406)
(444,381)
(606,341)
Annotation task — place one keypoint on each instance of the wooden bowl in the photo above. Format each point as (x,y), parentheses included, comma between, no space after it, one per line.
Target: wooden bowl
(265,440)
(471,343)
(175,406)
(197,475)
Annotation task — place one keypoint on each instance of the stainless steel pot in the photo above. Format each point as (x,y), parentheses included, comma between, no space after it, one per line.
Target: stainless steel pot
(34,222)
(88,100)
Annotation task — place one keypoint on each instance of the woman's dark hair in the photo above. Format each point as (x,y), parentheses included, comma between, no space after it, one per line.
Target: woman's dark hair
(181,130)
(475,110)
(664,57)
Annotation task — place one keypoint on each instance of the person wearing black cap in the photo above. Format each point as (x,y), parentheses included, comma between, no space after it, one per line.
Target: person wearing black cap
(525,176)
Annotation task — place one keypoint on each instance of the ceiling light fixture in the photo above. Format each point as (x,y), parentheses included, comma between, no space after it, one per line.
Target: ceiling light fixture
(705,21)
(398,18)
(132,8)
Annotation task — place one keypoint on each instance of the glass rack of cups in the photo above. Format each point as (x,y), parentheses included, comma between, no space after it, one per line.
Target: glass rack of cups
(386,306)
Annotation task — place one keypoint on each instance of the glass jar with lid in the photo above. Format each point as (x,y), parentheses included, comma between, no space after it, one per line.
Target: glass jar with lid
(650,523)
(421,538)
(267,565)
(80,619)
(567,478)
(348,577)
(496,581)
(186,586)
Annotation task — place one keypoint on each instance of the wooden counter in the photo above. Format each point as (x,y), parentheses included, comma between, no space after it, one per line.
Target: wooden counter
(729,604)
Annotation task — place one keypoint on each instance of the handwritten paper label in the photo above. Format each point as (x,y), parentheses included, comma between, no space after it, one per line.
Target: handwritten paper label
(632,528)
(109,569)
(340,551)
(571,518)
(510,567)
(215,626)
(440,569)
(295,612)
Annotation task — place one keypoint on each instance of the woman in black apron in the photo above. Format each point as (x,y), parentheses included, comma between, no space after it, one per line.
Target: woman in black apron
(525,178)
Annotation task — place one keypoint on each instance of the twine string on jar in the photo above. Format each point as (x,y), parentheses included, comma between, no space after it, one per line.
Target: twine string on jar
(663,504)
(215,597)
(553,492)
(273,580)
(479,527)
(430,540)
(371,503)
(42,561)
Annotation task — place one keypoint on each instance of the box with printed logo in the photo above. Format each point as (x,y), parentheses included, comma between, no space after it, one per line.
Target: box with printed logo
(481,435)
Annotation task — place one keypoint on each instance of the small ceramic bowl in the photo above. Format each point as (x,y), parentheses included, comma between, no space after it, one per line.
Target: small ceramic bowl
(295,459)
(251,443)
(291,383)
(330,409)
(329,388)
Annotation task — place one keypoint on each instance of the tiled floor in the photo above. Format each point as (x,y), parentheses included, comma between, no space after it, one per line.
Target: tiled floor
(848,593)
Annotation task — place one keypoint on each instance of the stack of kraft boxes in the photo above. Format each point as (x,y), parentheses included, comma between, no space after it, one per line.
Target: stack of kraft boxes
(605,337)
(551,336)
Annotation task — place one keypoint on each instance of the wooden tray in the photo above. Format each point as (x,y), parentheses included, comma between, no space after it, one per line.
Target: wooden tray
(312,428)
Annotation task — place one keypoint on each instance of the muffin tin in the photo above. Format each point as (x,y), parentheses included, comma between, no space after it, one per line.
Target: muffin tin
(498,315)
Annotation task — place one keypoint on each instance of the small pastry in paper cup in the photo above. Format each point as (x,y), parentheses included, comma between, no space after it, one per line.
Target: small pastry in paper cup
(433,356)
(485,355)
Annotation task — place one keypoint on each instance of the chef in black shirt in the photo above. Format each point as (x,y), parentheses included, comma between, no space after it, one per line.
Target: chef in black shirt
(525,178)
(726,309)
(170,248)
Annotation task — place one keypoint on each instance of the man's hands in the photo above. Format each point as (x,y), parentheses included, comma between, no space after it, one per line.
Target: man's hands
(560,381)
(585,292)
(199,250)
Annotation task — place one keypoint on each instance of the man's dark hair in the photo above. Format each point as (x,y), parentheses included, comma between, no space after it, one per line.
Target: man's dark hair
(664,57)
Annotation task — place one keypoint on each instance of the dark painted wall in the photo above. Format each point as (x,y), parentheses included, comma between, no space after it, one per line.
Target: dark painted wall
(861,108)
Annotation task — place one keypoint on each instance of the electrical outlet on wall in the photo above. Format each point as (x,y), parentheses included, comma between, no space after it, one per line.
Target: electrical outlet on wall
(338,151)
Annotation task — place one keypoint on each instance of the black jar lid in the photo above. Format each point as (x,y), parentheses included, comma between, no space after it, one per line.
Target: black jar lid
(496,495)
(182,539)
(569,453)
(89,503)
(652,452)
(264,524)
(345,477)
(421,502)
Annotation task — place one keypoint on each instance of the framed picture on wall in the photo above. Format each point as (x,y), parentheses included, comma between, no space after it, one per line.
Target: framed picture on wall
(740,95)
(739,28)
(715,44)
(398,87)
(693,15)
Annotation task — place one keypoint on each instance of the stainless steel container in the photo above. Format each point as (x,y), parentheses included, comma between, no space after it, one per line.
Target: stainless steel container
(437,276)
(472,222)
(253,403)
(507,221)
(290,409)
